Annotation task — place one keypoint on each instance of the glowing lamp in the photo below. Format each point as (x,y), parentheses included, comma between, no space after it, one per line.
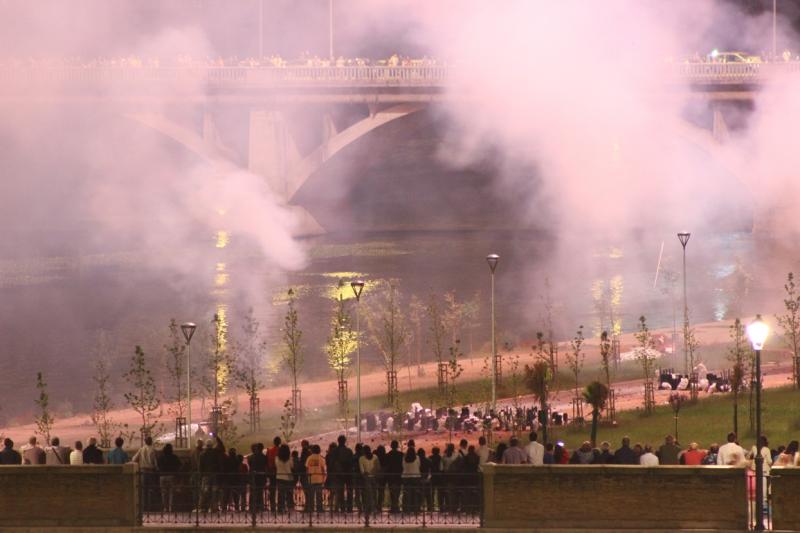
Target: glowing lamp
(757,332)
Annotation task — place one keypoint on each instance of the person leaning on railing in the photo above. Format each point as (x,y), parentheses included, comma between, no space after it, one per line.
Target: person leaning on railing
(315,467)
(370,468)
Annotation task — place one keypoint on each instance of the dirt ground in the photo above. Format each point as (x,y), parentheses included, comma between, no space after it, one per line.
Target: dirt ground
(322,393)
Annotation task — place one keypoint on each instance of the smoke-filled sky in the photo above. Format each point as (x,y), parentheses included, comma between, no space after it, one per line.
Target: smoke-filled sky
(556,109)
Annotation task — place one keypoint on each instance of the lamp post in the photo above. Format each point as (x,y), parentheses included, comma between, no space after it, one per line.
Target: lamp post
(357,287)
(684,238)
(188,331)
(492,259)
(757,332)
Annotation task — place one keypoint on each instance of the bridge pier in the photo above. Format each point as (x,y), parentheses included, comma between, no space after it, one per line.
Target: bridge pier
(271,154)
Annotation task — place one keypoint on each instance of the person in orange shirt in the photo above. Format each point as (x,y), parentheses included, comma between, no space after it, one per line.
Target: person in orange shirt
(315,467)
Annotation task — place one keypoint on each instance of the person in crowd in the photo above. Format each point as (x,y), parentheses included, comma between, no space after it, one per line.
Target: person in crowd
(484,452)
(605,457)
(393,473)
(76,455)
(196,453)
(330,469)
(302,474)
(147,460)
(426,495)
(463,446)
(648,458)
(766,454)
(789,456)
(272,454)
(711,456)
(118,456)
(315,467)
(514,455)
(9,456)
(257,465)
(285,477)
(471,480)
(369,467)
(668,452)
(343,481)
(32,453)
(561,454)
(168,467)
(624,455)
(585,455)
(380,481)
(693,456)
(729,451)
(55,454)
(92,455)
(534,450)
(499,451)
(410,478)
(356,478)
(437,477)
(549,458)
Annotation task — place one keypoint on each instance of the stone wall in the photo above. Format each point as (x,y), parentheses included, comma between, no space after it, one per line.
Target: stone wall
(615,497)
(42,496)
(785,497)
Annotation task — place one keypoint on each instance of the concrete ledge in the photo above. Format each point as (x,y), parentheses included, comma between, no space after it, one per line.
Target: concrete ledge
(785,485)
(604,497)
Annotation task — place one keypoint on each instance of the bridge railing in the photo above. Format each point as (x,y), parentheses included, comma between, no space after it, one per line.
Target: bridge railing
(332,76)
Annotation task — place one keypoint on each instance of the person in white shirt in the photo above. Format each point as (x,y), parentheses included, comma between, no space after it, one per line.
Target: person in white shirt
(484,452)
(76,457)
(765,453)
(535,450)
(730,453)
(648,458)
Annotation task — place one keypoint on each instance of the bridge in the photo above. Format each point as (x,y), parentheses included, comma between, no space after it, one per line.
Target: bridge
(387,92)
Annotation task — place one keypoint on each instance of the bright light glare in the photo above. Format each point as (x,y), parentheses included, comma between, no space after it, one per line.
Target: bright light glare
(757,333)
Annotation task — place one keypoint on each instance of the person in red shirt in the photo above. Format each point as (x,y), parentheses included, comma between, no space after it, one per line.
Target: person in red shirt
(272,473)
(692,456)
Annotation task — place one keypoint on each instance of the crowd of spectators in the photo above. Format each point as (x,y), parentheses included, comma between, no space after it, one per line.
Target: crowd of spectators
(398,478)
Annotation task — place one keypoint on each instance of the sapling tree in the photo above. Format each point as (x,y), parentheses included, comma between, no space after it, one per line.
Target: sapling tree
(737,355)
(102,404)
(293,350)
(645,355)
(176,369)
(44,419)
(790,324)
(142,395)
(437,331)
(605,357)
(387,325)
(249,369)
(416,314)
(595,395)
(537,380)
(454,370)
(575,358)
(340,345)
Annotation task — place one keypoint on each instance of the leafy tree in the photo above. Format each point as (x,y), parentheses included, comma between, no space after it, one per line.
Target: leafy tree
(249,369)
(790,324)
(44,420)
(676,401)
(341,343)
(515,384)
(143,396)
(596,395)
(103,404)
(645,355)
(221,359)
(537,380)
(737,355)
(288,420)
(387,325)
(576,358)
(176,369)
(293,348)
(416,313)
(605,357)
(454,370)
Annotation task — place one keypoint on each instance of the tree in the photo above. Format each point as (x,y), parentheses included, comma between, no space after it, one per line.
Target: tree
(103,404)
(576,358)
(44,420)
(142,395)
(645,355)
(437,330)
(676,401)
(387,325)
(537,380)
(790,324)
(293,350)
(515,384)
(596,395)
(454,370)
(547,351)
(249,369)
(605,357)
(341,344)
(288,420)
(736,355)
(471,311)
(176,369)
(416,312)
(453,315)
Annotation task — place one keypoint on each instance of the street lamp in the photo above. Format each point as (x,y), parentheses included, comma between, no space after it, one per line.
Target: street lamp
(188,331)
(492,259)
(357,287)
(684,238)
(757,333)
